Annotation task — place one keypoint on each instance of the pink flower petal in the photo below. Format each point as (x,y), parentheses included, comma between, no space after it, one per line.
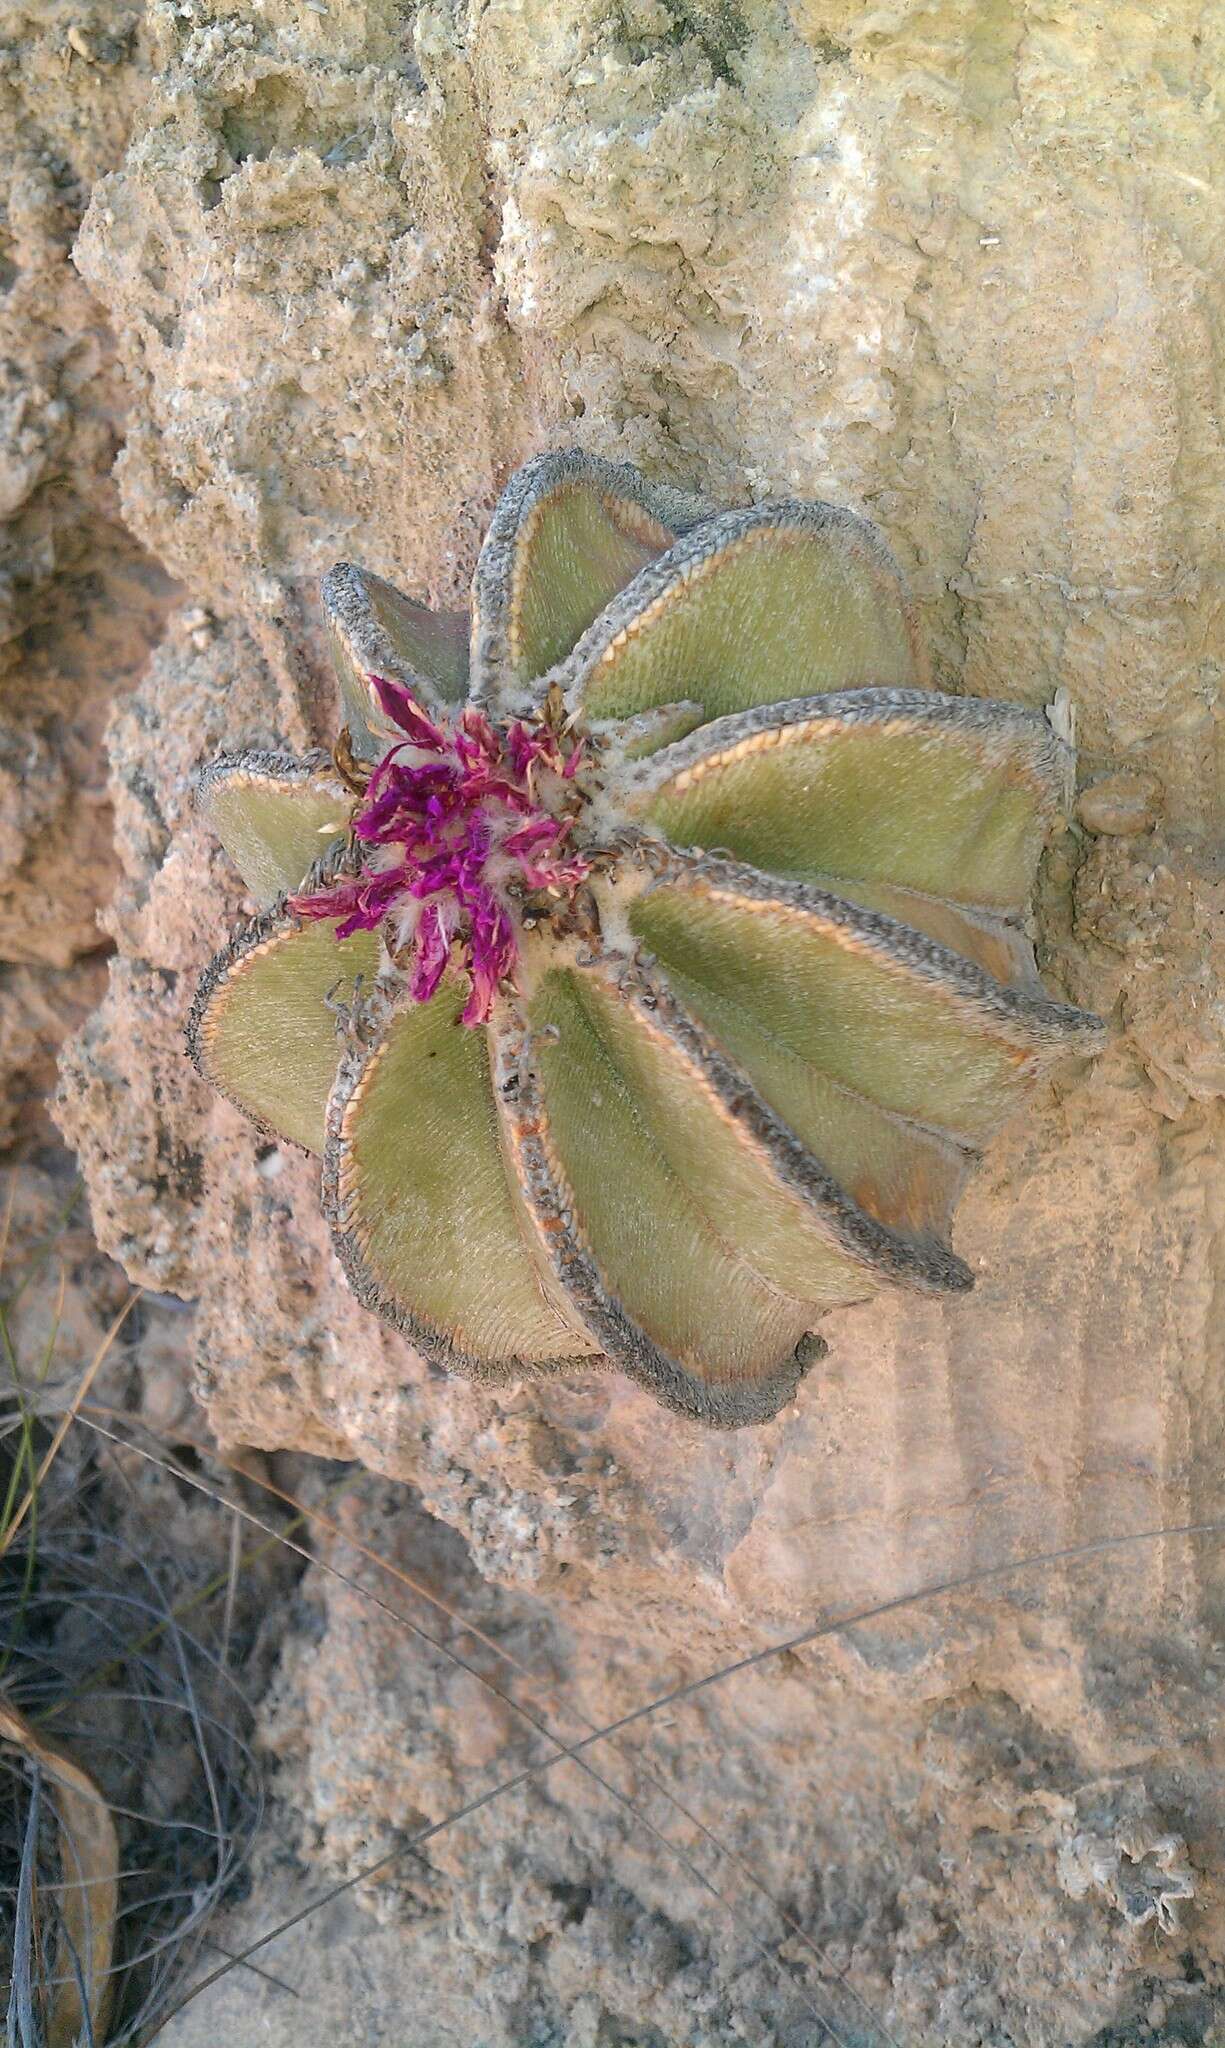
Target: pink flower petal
(439,820)
(403,710)
(431,955)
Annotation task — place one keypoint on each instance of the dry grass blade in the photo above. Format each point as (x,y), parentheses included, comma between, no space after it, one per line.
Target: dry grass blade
(89,1845)
(66,1421)
(22,2027)
(6,1227)
(101,1950)
(231,1589)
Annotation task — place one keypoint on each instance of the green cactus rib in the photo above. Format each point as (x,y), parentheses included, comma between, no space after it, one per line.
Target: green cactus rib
(539,582)
(1030,1020)
(443,1202)
(874,1004)
(950,797)
(686,970)
(803,591)
(551,1203)
(264,1025)
(271,812)
(788,1170)
(374,629)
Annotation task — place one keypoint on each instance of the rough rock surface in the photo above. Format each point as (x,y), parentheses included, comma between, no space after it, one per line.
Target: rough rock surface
(946,1842)
(81,601)
(958,266)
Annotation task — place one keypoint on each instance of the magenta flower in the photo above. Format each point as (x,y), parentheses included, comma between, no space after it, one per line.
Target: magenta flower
(459,823)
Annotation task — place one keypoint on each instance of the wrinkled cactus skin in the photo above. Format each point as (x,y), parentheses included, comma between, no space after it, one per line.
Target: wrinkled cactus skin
(647,962)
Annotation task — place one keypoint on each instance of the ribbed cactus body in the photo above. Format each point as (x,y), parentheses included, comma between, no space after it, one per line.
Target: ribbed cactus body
(648,964)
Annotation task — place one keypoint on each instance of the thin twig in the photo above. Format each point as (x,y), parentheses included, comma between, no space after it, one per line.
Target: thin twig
(231,1590)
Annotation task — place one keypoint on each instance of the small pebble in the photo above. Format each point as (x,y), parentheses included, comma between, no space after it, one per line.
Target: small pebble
(165,1396)
(1120,805)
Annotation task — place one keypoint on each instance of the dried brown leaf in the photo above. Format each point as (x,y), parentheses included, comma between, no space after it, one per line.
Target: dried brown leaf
(89,1858)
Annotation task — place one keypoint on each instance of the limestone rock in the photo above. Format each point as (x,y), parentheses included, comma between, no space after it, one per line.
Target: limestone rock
(1121,805)
(959,268)
(81,602)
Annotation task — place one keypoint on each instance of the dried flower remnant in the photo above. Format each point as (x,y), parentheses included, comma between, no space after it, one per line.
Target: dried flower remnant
(730,906)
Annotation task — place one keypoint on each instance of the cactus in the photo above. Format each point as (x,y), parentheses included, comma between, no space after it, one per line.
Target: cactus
(646,964)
